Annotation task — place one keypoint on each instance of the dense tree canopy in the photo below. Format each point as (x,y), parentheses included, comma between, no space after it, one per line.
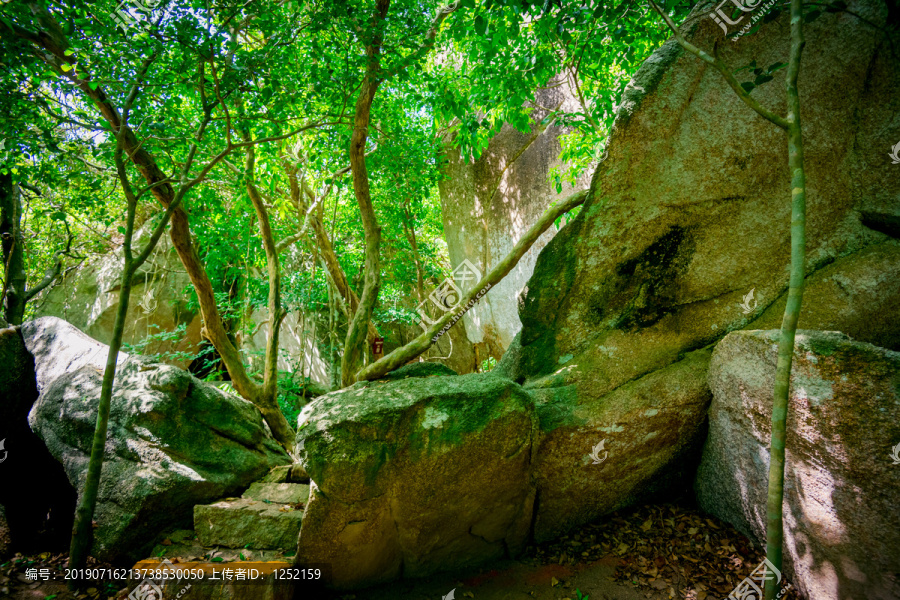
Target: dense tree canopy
(248,107)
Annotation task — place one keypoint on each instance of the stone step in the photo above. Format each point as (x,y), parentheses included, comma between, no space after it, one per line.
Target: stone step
(278,493)
(247,523)
(183,545)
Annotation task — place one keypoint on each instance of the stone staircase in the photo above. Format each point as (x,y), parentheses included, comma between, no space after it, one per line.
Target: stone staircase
(266,517)
(263,524)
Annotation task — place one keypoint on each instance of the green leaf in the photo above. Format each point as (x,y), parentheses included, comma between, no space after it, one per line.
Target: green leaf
(775,67)
(121,229)
(812,16)
(748,86)
(217,559)
(762,79)
(751,66)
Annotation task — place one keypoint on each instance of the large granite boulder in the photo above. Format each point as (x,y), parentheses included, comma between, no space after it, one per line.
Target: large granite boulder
(688,213)
(416,475)
(489,203)
(89,297)
(842,527)
(173,441)
(651,430)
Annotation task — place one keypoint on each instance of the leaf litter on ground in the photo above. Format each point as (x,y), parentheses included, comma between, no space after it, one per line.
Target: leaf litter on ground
(661,547)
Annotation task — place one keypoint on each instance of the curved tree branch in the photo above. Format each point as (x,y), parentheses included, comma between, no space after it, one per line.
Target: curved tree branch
(420,344)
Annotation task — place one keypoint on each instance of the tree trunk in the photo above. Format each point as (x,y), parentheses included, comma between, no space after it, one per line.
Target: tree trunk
(775,508)
(82,534)
(355,344)
(792,126)
(266,398)
(213,325)
(13,242)
(332,265)
(410,230)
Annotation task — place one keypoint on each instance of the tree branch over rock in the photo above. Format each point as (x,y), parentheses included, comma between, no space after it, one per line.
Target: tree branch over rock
(423,342)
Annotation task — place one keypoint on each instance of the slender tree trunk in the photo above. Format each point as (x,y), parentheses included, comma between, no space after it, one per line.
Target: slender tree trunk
(355,344)
(13,242)
(266,396)
(213,325)
(775,522)
(323,241)
(410,231)
(791,124)
(82,534)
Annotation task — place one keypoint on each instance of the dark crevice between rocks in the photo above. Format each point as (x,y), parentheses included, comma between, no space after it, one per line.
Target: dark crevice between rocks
(535,506)
(36,494)
(886,223)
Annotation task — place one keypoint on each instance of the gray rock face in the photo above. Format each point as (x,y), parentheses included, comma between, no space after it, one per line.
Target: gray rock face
(415,476)
(88,298)
(487,206)
(687,214)
(842,527)
(173,441)
(298,348)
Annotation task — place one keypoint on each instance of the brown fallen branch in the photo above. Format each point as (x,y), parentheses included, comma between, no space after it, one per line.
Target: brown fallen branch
(423,342)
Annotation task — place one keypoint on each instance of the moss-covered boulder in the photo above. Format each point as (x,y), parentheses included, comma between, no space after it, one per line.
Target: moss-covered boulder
(416,475)
(651,430)
(842,480)
(420,369)
(173,441)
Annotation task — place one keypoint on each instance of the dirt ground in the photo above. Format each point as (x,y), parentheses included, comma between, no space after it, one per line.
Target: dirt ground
(649,552)
(514,580)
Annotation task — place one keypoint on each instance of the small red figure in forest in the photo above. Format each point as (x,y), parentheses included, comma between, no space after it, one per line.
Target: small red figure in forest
(378,347)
